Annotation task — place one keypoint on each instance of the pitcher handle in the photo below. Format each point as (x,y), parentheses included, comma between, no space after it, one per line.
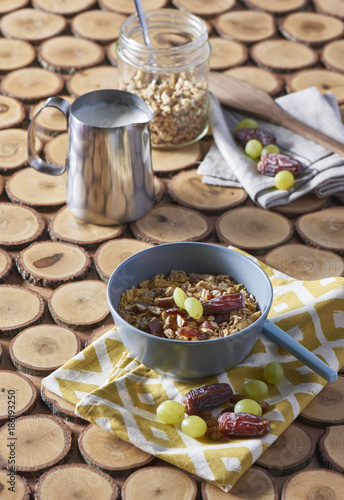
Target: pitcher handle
(34,160)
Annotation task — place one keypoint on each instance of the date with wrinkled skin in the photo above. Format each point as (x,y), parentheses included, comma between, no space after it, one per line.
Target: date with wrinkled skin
(206,397)
(271,163)
(243,424)
(224,304)
(262,135)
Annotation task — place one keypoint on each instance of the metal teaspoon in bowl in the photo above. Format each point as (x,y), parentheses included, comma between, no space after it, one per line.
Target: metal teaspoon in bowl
(201,359)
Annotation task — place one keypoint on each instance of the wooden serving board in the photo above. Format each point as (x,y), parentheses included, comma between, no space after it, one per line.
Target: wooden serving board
(38,235)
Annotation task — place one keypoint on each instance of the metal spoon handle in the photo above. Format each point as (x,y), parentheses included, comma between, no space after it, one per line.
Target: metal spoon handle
(143,23)
(291,345)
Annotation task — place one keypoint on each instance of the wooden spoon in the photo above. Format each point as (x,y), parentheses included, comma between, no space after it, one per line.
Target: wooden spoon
(243,96)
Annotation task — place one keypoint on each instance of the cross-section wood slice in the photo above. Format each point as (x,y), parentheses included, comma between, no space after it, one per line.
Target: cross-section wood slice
(276,6)
(62,7)
(332,56)
(284,56)
(159,189)
(67,54)
(98,25)
(50,121)
(21,487)
(37,190)
(331,7)
(13,149)
(52,263)
(109,453)
(100,77)
(253,229)
(112,253)
(19,309)
(80,305)
(31,84)
(10,5)
(125,7)
(305,263)
(111,53)
(308,203)
(76,481)
(311,28)
(15,54)
(324,79)
(98,332)
(6,266)
(145,482)
(260,77)
(330,448)
(167,162)
(32,25)
(313,483)
(187,189)
(323,229)
(204,7)
(41,441)
(60,407)
(12,112)
(18,395)
(41,349)
(64,226)
(170,223)
(246,26)
(19,226)
(327,407)
(245,487)
(226,53)
(292,451)
(56,150)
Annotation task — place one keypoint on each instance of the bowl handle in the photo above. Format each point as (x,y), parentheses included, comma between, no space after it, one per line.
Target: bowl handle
(284,340)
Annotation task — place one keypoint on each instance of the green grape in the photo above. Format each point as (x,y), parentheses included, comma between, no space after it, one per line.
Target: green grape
(194,426)
(273,372)
(193,307)
(247,123)
(255,389)
(179,297)
(253,148)
(271,148)
(284,179)
(248,406)
(170,412)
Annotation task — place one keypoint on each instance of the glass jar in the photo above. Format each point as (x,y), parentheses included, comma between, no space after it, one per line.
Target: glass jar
(171,75)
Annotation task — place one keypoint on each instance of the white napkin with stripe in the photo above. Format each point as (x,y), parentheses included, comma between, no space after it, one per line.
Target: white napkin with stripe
(227,165)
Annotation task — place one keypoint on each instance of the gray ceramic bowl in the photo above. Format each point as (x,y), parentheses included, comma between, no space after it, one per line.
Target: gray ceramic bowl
(181,358)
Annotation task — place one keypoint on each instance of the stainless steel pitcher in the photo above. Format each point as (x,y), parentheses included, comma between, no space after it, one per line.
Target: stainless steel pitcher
(109,168)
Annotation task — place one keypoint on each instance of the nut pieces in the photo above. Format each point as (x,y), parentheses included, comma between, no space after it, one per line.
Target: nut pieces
(179,104)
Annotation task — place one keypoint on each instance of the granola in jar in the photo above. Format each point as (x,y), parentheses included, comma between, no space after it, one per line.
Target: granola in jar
(227,306)
(171,75)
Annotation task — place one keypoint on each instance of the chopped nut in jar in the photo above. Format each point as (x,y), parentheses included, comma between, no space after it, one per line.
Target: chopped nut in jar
(156,306)
(180,106)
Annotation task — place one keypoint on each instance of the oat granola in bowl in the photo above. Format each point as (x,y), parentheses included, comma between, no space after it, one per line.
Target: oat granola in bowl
(221,306)
(202,269)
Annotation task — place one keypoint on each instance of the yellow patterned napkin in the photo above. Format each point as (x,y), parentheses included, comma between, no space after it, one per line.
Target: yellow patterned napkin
(112,390)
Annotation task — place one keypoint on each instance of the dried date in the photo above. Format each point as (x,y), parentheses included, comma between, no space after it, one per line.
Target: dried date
(262,135)
(271,163)
(206,397)
(243,424)
(224,304)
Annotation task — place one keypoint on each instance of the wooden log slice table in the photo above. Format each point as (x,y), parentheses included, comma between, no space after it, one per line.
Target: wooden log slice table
(33,216)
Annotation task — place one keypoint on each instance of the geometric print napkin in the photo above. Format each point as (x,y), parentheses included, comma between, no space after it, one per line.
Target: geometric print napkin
(117,393)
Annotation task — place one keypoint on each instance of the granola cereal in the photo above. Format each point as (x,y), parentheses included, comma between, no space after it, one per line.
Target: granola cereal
(179,103)
(151,306)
